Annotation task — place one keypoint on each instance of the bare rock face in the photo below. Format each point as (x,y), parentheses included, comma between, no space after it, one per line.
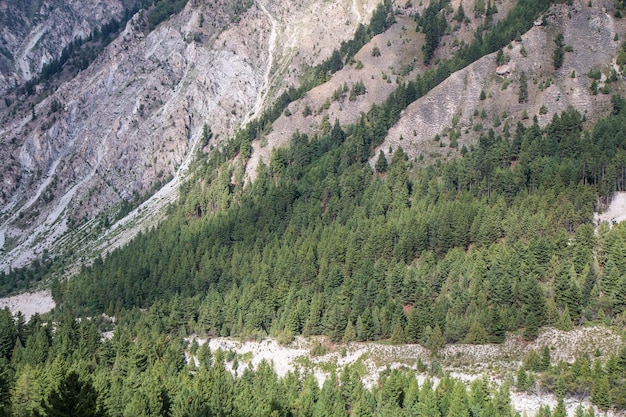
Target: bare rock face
(123,126)
(33,33)
(133,119)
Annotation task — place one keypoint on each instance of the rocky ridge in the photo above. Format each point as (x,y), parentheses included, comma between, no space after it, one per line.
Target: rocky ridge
(463,362)
(591,31)
(591,34)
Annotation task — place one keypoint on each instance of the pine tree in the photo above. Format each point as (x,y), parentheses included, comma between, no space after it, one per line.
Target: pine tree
(350,333)
(502,401)
(521,380)
(600,393)
(365,326)
(73,397)
(188,402)
(8,333)
(205,357)
(428,401)
(559,410)
(552,312)
(459,15)
(580,411)
(531,326)
(523,88)
(565,321)
(479,395)
(496,325)
(397,334)
(545,359)
(557,56)
(436,341)
(459,406)
(476,334)
(600,387)
(381,163)
(27,393)
(413,328)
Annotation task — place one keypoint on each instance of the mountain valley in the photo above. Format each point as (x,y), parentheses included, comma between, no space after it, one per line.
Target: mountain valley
(413,208)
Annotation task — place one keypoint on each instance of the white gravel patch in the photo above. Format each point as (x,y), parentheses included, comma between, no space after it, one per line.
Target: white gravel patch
(29,303)
(281,357)
(616,212)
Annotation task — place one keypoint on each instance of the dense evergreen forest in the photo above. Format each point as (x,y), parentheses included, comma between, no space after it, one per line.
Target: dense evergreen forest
(143,371)
(500,240)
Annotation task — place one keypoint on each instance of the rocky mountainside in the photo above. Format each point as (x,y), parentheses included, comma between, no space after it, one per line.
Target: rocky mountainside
(594,38)
(35,32)
(121,128)
(77,158)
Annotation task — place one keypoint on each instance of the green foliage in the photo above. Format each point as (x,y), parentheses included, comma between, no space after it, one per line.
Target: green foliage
(436,341)
(257,271)
(545,359)
(565,321)
(72,397)
(476,334)
(459,15)
(600,389)
(433,23)
(381,163)
(557,56)
(358,89)
(162,10)
(207,134)
(523,88)
(462,251)
(522,380)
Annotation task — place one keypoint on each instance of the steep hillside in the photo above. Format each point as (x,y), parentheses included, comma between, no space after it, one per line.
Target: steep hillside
(591,42)
(594,36)
(407,192)
(79,159)
(119,130)
(35,32)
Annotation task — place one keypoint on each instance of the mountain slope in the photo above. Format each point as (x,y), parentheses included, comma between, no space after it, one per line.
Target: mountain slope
(35,32)
(301,214)
(120,129)
(594,37)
